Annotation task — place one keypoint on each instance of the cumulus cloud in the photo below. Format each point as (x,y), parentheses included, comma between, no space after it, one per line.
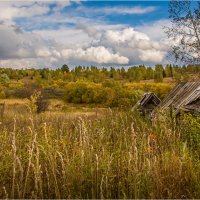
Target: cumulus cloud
(97,43)
(19,44)
(153,55)
(155,29)
(123,46)
(99,55)
(9,10)
(44,52)
(22,45)
(15,9)
(124,36)
(141,46)
(66,37)
(30,62)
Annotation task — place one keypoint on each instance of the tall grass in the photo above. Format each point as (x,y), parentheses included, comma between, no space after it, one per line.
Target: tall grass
(118,155)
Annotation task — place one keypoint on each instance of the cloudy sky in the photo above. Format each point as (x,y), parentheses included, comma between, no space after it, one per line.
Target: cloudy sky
(102,33)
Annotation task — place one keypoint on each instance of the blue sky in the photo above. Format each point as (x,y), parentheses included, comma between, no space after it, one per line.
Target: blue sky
(102,33)
(159,11)
(96,10)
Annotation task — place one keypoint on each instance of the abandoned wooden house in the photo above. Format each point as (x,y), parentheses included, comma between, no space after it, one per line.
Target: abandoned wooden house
(183,97)
(147,103)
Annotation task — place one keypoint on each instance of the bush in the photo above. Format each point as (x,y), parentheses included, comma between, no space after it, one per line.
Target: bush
(42,104)
(38,103)
(4,79)
(190,128)
(2,95)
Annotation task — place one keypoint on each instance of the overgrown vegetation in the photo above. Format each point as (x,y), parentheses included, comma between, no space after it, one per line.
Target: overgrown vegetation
(115,155)
(91,85)
(109,154)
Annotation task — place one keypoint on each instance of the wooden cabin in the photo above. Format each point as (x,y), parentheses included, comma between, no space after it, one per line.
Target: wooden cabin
(184,96)
(147,103)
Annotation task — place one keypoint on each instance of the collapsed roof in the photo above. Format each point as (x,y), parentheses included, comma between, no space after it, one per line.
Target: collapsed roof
(184,96)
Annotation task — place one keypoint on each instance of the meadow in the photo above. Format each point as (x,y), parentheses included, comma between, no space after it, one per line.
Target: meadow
(85,141)
(74,132)
(96,153)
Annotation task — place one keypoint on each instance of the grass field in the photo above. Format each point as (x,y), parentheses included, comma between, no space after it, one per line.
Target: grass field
(56,107)
(115,154)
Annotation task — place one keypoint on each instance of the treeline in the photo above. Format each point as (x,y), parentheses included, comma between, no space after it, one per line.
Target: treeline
(97,75)
(91,85)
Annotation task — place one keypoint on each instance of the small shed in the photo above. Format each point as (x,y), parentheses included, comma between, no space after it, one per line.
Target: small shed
(184,96)
(147,103)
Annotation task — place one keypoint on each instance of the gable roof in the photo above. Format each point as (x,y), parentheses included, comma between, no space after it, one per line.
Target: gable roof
(183,96)
(146,98)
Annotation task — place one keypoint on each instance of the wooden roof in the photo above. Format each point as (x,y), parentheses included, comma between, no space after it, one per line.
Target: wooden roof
(146,98)
(184,96)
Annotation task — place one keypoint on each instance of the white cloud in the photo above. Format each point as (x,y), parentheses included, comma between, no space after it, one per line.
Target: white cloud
(44,52)
(99,55)
(22,45)
(131,10)
(117,46)
(30,63)
(59,4)
(16,44)
(124,36)
(19,63)
(155,29)
(135,45)
(66,37)
(154,56)
(90,41)
(15,9)
(10,10)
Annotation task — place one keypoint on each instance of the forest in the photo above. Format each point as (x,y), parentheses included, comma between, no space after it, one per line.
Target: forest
(108,87)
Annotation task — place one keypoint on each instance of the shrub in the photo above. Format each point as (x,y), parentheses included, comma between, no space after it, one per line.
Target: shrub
(190,128)
(2,95)
(42,104)
(38,103)
(4,79)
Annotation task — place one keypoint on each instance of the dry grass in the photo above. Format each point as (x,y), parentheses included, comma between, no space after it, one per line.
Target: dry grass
(117,155)
(14,101)
(165,80)
(56,107)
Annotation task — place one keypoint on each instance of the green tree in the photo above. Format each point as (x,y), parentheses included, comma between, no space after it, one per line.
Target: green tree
(149,73)
(158,76)
(4,78)
(65,68)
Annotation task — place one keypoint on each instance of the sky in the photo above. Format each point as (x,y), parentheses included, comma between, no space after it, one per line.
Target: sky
(102,33)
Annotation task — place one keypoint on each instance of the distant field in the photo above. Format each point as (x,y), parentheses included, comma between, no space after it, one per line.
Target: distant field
(165,80)
(56,107)
(11,102)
